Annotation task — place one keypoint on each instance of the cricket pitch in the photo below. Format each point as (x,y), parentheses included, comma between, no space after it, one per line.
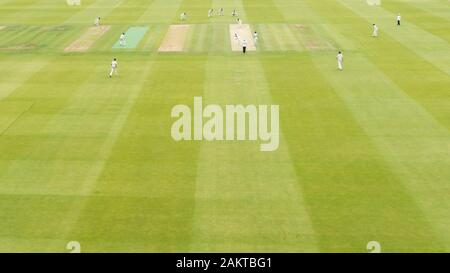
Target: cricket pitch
(243,31)
(174,39)
(85,42)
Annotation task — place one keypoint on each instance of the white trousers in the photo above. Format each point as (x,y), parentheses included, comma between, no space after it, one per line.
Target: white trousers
(113,71)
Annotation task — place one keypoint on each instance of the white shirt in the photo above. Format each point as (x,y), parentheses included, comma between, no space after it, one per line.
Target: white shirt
(340,57)
(244,43)
(375,28)
(399,17)
(114,64)
(122,37)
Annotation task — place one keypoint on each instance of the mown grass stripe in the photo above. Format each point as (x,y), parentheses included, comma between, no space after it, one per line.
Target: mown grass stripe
(11,10)
(279,35)
(200,38)
(16,33)
(437,8)
(339,40)
(100,8)
(161,11)
(388,55)
(154,37)
(424,44)
(423,19)
(265,41)
(235,206)
(410,140)
(274,40)
(129,11)
(292,40)
(220,41)
(10,82)
(254,10)
(363,196)
(166,201)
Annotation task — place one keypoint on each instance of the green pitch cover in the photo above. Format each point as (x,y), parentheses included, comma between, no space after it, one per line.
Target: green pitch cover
(133,36)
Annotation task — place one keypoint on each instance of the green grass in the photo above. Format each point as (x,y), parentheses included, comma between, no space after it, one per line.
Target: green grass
(363,156)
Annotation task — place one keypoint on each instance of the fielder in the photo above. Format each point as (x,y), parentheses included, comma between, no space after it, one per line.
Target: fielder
(97,22)
(255,37)
(399,18)
(210,13)
(183,16)
(221,12)
(122,40)
(234,14)
(340,60)
(239,21)
(375,31)
(114,65)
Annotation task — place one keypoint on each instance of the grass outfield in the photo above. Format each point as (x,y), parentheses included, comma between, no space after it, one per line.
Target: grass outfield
(363,156)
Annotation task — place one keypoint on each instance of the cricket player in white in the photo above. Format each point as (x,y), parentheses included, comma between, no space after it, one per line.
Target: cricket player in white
(221,12)
(97,22)
(340,60)
(237,38)
(234,13)
(399,18)
(244,46)
(183,16)
(210,13)
(122,39)
(375,31)
(114,65)
(255,37)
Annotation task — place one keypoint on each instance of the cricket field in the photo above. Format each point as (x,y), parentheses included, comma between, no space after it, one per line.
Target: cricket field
(363,154)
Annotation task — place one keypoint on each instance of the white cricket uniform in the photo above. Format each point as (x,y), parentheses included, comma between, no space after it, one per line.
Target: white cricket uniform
(97,22)
(236,37)
(399,18)
(114,65)
(255,37)
(340,60)
(375,31)
(122,40)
